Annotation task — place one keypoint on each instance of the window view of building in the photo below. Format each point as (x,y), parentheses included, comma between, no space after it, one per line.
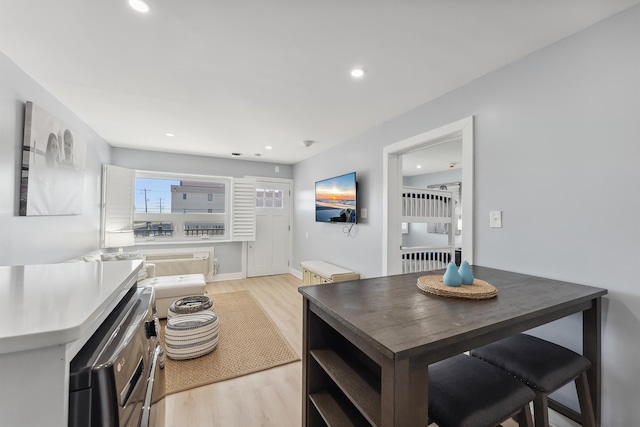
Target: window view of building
(202,196)
(170,208)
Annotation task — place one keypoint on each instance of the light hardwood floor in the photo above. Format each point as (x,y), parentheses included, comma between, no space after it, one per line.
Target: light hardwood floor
(268,398)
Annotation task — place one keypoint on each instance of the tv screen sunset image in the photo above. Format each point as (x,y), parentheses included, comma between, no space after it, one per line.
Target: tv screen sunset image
(336,199)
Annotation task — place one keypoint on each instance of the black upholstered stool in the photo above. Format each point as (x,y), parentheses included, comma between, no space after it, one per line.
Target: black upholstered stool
(466,392)
(543,366)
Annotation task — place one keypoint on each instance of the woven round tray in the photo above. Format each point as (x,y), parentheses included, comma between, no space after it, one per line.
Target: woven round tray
(478,290)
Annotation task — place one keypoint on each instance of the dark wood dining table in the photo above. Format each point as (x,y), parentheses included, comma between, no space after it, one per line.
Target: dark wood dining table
(367,344)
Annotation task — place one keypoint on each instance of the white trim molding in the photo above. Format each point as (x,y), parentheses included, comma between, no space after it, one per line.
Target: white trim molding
(392,184)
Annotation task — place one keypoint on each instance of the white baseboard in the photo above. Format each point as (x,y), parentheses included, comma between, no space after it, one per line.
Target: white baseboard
(228,276)
(295,272)
(240,275)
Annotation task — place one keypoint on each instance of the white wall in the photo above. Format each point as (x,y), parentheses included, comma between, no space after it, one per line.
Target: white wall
(42,239)
(556,149)
(361,249)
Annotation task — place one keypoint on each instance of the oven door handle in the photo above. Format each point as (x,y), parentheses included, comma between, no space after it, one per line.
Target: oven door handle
(146,406)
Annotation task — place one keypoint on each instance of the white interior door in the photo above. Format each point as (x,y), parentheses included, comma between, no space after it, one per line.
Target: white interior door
(269,253)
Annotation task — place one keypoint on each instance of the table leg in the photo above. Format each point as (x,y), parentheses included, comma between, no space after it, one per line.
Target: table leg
(305,362)
(312,337)
(591,349)
(404,394)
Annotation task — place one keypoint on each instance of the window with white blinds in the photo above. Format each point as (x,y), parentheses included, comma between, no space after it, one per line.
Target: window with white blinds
(244,209)
(178,222)
(117,199)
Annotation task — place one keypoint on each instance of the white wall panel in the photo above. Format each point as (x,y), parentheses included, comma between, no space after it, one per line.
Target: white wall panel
(42,239)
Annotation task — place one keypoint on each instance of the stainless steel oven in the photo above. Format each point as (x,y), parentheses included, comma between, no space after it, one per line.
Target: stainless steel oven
(117,377)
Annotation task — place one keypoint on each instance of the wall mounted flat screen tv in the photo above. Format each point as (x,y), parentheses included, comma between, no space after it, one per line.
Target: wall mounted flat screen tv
(336,199)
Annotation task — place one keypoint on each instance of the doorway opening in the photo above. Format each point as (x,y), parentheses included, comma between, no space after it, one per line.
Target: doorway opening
(393,182)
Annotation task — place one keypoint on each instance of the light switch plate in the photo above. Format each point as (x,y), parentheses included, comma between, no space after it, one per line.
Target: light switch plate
(363,213)
(495,219)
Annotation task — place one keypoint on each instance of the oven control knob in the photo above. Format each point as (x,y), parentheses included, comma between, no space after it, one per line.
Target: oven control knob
(150,329)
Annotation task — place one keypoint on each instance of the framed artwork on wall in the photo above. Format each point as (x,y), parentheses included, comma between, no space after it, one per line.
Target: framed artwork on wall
(53,166)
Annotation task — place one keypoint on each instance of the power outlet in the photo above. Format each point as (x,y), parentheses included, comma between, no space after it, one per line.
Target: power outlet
(495,219)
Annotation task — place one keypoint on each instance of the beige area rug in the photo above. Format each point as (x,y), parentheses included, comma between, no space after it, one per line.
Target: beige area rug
(249,342)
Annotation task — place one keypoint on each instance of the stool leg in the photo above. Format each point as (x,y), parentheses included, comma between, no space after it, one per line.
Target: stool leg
(584,397)
(541,409)
(524,417)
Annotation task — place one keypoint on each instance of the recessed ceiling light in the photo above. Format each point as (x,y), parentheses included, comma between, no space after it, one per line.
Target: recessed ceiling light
(268,147)
(419,166)
(357,73)
(170,134)
(140,5)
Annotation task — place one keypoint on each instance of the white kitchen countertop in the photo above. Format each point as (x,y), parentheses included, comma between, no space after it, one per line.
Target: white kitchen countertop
(57,304)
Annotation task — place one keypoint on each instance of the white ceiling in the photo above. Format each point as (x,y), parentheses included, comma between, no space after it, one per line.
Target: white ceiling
(434,158)
(235,76)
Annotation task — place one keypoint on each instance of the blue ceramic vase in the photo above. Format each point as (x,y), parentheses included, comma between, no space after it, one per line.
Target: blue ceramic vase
(451,276)
(465,273)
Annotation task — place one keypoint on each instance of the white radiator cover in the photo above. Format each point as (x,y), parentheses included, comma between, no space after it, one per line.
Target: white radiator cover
(168,264)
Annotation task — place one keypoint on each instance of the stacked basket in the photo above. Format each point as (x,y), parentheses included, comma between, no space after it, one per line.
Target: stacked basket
(192,328)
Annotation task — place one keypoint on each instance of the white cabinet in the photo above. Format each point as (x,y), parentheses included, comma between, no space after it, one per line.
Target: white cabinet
(319,272)
(51,312)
